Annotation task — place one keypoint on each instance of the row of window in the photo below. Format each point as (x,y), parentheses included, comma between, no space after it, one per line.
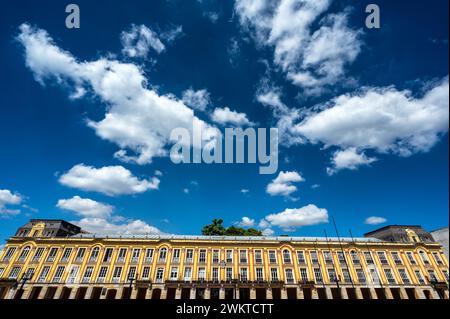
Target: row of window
(229,275)
(202,256)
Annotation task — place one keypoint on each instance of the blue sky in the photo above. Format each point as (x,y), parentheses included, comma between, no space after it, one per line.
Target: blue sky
(362,114)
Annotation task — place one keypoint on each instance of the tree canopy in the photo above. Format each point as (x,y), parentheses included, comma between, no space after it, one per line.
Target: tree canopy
(216,228)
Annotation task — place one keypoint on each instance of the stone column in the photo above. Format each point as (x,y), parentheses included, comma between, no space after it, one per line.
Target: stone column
(329,293)
(207,293)
(164,293)
(358,293)
(236,292)
(42,293)
(222,293)
(373,293)
(388,293)
(133,294)
(178,293)
(58,292)
(73,292)
(192,293)
(269,293)
(148,294)
(283,293)
(300,293)
(314,294)
(344,293)
(419,293)
(403,293)
(252,293)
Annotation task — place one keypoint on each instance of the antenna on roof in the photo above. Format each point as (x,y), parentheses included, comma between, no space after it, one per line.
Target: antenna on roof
(342,251)
(351,235)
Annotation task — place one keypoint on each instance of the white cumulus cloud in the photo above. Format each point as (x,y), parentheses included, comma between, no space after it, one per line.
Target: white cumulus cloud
(282,185)
(246,222)
(348,159)
(375,220)
(226,116)
(103,226)
(86,207)
(198,100)
(109,180)
(138,41)
(9,198)
(292,218)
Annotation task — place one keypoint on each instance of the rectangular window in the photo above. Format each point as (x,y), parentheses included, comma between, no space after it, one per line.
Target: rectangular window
(361,276)
(375,276)
(424,257)
(102,274)
(108,255)
(2,270)
(87,274)
(274,274)
(355,257)
(327,257)
(38,254)
(289,275)
(94,254)
(346,275)
(149,255)
(189,255)
(419,277)
(44,272)
(117,274)
(122,254)
(314,258)
(80,254)
(14,273)
(215,256)
(411,258)
(341,257)
(404,276)
(382,257)
(28,274)
(259,274)
(438,258)
(24,254)
(131,273)
(66,254)
(145,273)
(9,253)
(243,256)
(286,256)
(389,276)
(445,272)
(58,274)
(318,275)
(272,257)
(159,275)
(368,257)
(229,273)
(243,274)
(258,257)
(215,274)
(432,275)
(304,274)
(73,274)
(187,273)
(176,256)
(301,256)
(202,256)
(201,273)
(396,257)
(174,273)
(135,255)
(229,256)
(332,275)
(52,254)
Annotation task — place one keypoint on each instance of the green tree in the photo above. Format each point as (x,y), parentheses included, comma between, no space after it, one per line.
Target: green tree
(216,228)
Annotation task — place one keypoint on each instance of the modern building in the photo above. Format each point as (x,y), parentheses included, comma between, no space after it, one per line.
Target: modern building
(37,264)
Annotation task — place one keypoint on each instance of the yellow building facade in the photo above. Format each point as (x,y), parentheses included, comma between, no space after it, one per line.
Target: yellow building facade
(85,266)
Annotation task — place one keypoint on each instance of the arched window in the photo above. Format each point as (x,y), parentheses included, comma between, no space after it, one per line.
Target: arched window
(24,253)
(424,257)
(355,257)
(94,254)
(286,256)
(162,254)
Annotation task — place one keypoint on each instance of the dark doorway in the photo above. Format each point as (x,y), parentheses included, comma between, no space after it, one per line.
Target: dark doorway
(3,291)
(244,293)
(156,294)
(396,293)
(366,293)
(291,293)
(50,293)
(351,293)
(96,293)
(307,293)
(35,291)
(411,293)
(427,294)
(215,293)
(126,293)
(171,292)
(200,293)
(276,293)
(111,294)
(441,293)
(336,293)
(141,292)
(380,293)
(186,293)
(81,293)
(322,293)
(229,293)
(18,294)
(261,293)
(65,293)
